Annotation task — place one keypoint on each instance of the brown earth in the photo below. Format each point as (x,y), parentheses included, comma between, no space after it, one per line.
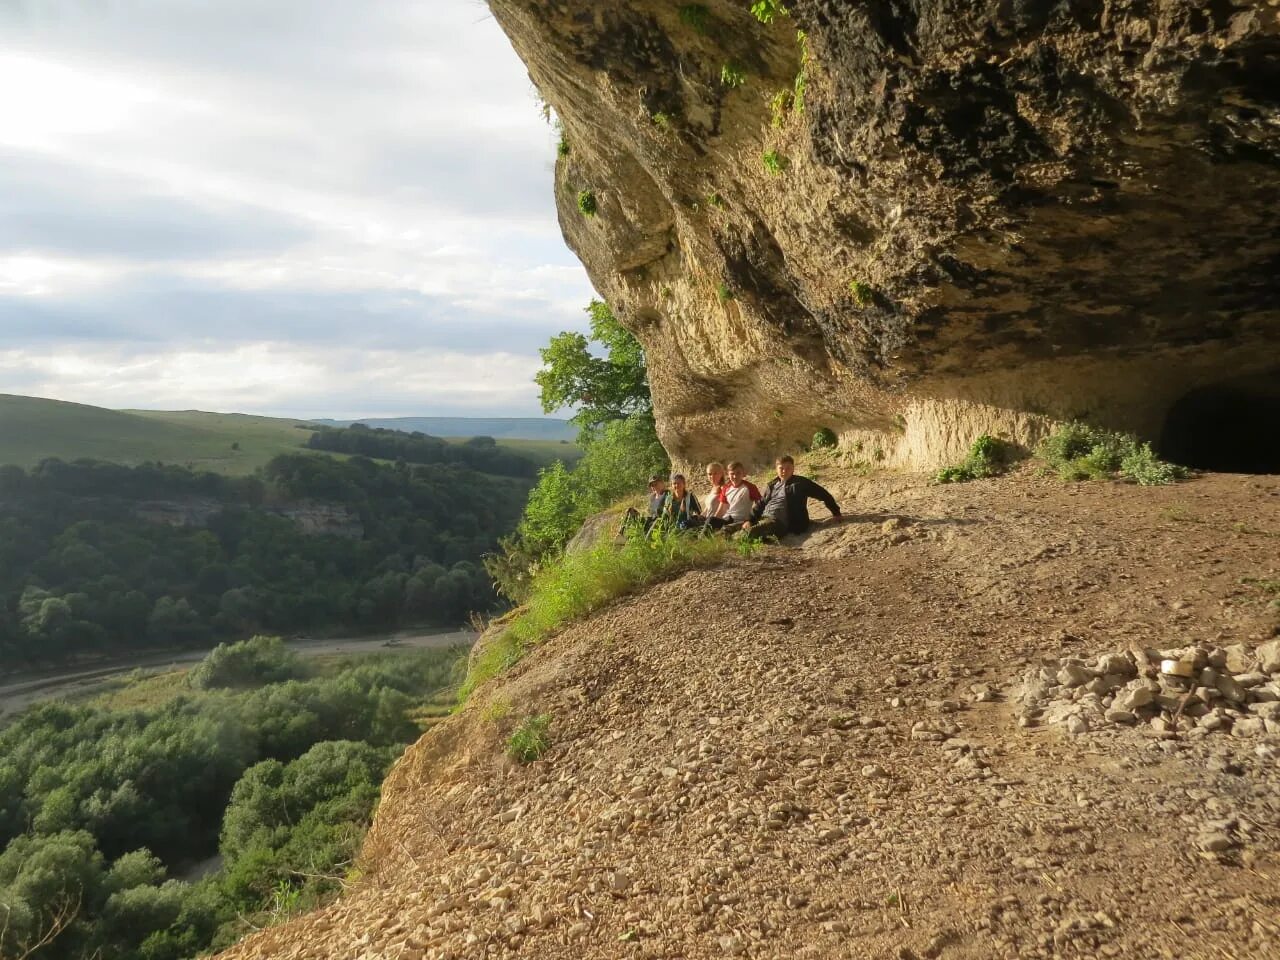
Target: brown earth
(734,771)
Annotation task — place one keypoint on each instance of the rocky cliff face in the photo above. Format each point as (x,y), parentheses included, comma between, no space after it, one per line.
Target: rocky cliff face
(916,220)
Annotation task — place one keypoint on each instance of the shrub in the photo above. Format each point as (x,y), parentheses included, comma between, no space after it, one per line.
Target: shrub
(695,15)
(766,11)
(824,438)
(774,162)
(578,583)
(249,663)
(732,75)
(723,293)
(587,203)
(1078,451)
(987,457)
(529,741)
(562,147)
(1143,467)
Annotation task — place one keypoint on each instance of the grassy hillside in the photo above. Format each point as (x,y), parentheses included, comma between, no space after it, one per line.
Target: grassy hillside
(32,429)
(236,444)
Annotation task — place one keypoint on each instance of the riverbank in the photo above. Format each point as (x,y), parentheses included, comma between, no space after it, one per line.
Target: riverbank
(18,693)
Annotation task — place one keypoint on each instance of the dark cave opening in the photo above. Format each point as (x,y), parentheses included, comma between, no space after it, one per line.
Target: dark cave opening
(1232,426)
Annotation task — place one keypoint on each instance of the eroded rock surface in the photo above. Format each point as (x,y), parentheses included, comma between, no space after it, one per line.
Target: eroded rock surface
(985,214)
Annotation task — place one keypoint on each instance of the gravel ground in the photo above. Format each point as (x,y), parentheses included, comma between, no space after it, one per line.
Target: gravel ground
(859,745)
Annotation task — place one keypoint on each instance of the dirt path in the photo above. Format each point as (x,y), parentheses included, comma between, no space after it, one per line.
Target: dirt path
(814,753)
(18,694)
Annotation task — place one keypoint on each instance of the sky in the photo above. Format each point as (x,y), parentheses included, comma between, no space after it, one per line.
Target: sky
(296,208)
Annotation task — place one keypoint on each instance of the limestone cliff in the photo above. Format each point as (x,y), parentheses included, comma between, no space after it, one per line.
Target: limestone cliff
(914,220)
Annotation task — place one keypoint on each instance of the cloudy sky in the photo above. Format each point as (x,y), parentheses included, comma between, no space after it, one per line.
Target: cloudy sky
(289,207)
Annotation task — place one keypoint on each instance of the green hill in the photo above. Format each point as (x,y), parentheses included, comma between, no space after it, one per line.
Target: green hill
(236,444)
(32,429)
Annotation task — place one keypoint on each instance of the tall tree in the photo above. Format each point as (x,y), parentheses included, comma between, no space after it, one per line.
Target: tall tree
(603,388)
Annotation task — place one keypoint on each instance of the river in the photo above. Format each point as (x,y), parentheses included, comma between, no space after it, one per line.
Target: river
(18,693)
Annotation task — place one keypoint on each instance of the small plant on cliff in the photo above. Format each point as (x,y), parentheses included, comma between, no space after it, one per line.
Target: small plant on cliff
(732,75)
(587,203)
(715,200)
(861,292)
(723,293)
(529,741)
(695,15)
(775,162)
(825,438)
(661,120)
(986,458)
(766,11)
(562,147)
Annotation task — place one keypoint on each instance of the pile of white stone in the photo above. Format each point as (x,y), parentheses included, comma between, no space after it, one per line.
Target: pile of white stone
(1186,691)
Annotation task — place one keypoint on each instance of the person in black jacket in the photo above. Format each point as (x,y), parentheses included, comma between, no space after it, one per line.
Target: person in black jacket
(783,507)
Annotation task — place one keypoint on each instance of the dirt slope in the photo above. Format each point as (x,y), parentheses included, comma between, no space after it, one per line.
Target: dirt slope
(795,755)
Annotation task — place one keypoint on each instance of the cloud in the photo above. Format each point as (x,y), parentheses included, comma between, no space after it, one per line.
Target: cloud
(285,379)
(277,184)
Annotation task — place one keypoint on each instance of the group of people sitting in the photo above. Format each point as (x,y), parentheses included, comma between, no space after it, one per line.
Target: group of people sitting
(736,505)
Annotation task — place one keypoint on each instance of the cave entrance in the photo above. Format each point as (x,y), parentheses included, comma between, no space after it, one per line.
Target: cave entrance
(1232,426)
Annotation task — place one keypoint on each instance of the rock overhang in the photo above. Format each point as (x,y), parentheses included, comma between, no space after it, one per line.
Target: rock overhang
(920,221)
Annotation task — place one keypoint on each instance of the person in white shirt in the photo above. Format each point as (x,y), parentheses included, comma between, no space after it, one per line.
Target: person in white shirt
(734,502)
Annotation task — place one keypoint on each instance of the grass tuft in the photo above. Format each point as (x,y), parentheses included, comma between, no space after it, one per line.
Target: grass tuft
(529,741)
(695,15)
(774,162)
(732,75)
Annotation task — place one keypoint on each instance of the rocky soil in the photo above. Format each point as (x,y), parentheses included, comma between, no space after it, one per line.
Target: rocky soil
(917,734)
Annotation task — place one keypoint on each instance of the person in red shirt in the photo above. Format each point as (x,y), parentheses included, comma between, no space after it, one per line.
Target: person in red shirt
(734,502)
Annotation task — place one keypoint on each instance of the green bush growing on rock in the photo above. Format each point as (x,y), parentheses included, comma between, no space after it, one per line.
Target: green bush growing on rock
(662,120)
(732,75)
(587,203)
(766,11)
(825,438)
(986,458)
(774,162)
(529,741)
(1078,451)
(715,200)
(723,293)
(562,147)
(695,15)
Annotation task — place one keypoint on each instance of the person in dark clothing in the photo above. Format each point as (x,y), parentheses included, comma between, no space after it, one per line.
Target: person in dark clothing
(783,507)
(681,508)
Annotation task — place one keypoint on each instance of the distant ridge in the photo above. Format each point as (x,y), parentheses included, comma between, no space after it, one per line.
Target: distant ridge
(500,428)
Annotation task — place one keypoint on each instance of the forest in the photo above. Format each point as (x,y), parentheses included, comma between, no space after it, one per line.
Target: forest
(477,453)
(84,573)
(271,764)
